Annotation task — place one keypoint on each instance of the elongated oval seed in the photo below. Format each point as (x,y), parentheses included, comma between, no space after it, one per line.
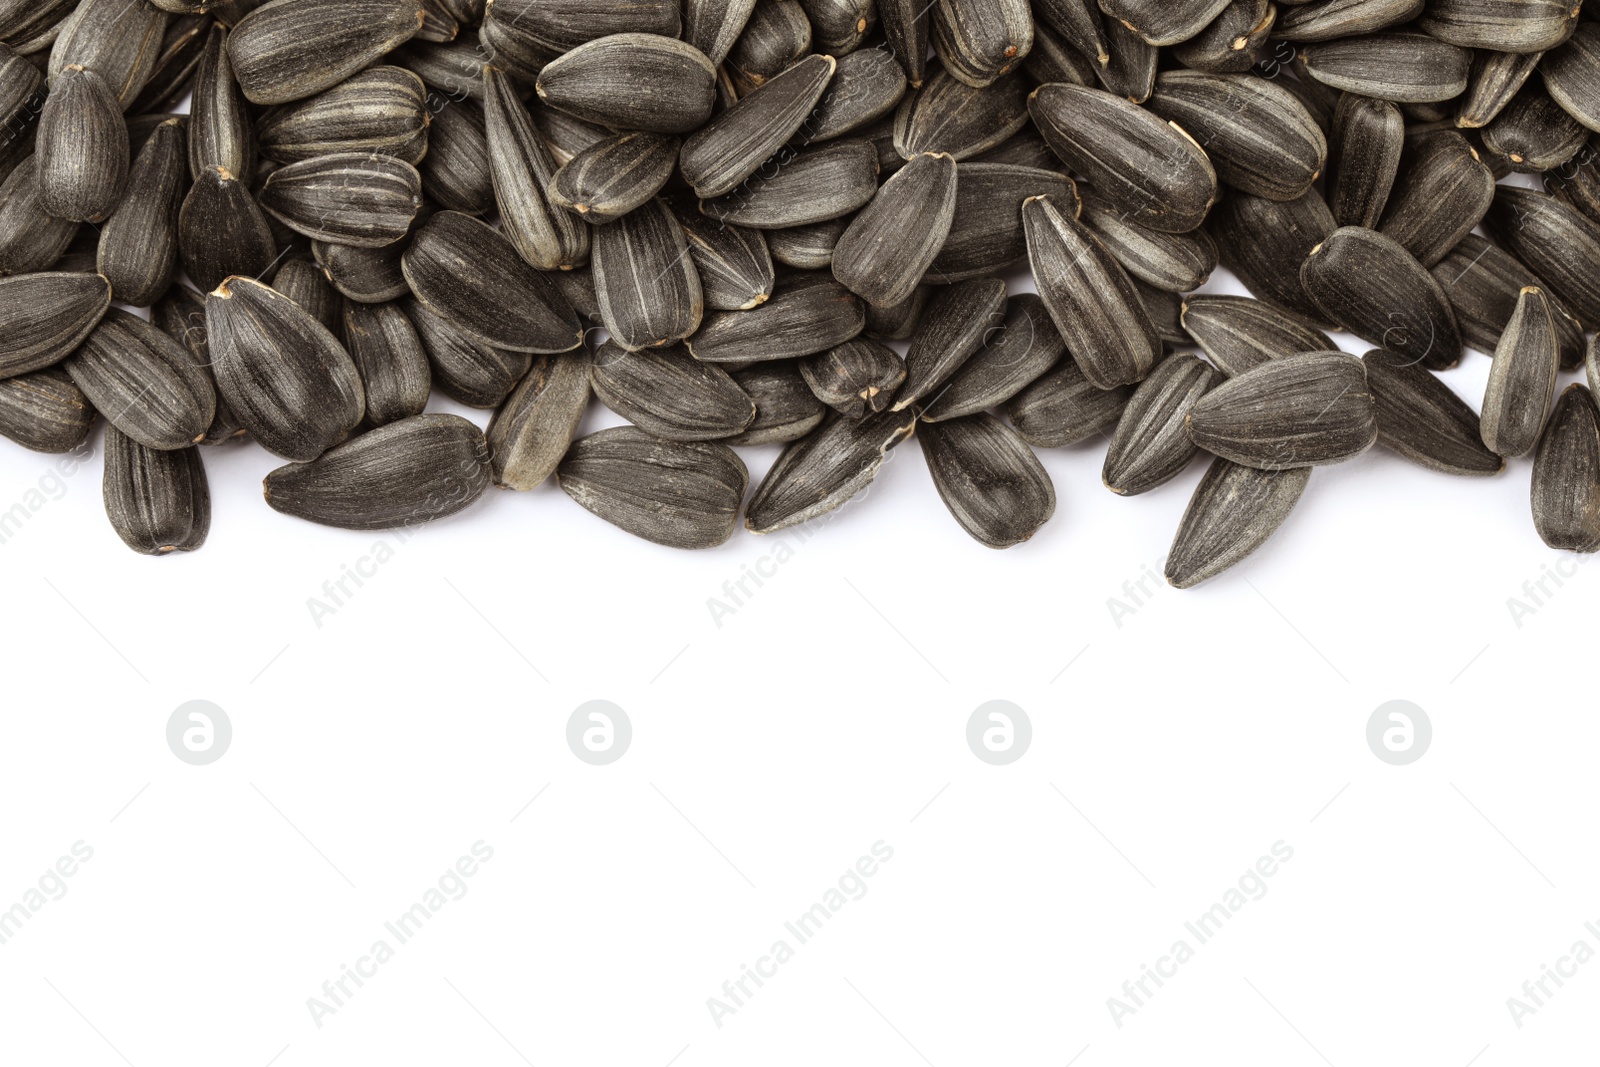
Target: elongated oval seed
(222,231)
(808,312)
(1534,133)
(1441,192)
(561,25)
(158,501)
(786,408)
(958,321)
(532,430)
(1566,475)
(31,239)
(714,25)
(287,379)
(821,472)
(1496,78)
(1176,262)
(980,40)
(799,189)
(1078,23)
(1482,282)
(1146,167)
(1238,333)
(467,369)
(989,479)
(302,282)
(1090,297)
(1064,407)
(45,411)
(352,198)
(365,275)
(471,275)
(670,394)
(456,171)
(1329,20)
(948,115)
(82,148)
(1295,411)
(120,40)
(1151,445)
(1374,288)
(181,315)
(222,132)
(138,249)
(1572,75)
(389,355)
(1522,379)
(1368,136)
(521,168)
(734,264)
(986,234)
(866,86)
(1403,67)
(170,78)
(1423,420)
(400,475)
(1265,242)
(895,238)
(633,81)
(145,383)
(674,493)
(732,146)
(777,34)
(1025,346)
(1560,245)
(1529,26)
(1233,41)
(646,280)
(1232,513)
(45,317)
(382,109)
(857,378)
(612,177)
(1161,23)
(285,50)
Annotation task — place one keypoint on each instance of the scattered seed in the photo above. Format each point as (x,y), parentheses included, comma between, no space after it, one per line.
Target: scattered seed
(675,493)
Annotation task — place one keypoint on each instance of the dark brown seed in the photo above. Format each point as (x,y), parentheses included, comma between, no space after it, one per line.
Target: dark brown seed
(1566,475)
(1149,169)
(45,317)
(138,249)
(1440,193)
(899,322)
(776,34)
(1176,262)
(786,408)
(1375,289)
(1522,379)
(1131,72)
(382,110)
(82,148)
(670,394)
(1025,347)
(145,383)
(437,23)
(1151,445)
(561,25)
(465,368)
(21,99)
(980,40)
(390,358)
(514,53)
(733,146)
(958,321)
(1166,312)
(1238,333)
(819,473)
(989,479)
(612,177)
(1561,245)
(1063,407)
(157,500)
(1529,26)
(839,26)
(1496,77)
(986,236)
(808,312)
(818,184)
(633,81)
(1482,282)
(866,86)
(1534,133)
(532,430)
(222,231)
(521,168)
(948,115)
(1232,513)
(120,40)
(1423,420)
(807,247)
(31,239)
(365,275)
(1053,59)
(1576,183)
(181,315)
(1162,23)
(856,379)
(908,27)
(351,198)
(1234,40)
(674,493)
(1329,20)
(470,275)
(302,282)
(1572,75)
(285,51)
(1403,67)
(647,283)
(288,380)
(895,238)
(456,171)
(1078,23)
(403,474)
(45,411)
(222,132)
(734,264)
(713,25)
(32,21)
(1295,411)
(1090,297)
(1368,136)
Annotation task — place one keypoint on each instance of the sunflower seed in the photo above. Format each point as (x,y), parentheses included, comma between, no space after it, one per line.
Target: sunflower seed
(1440,193)
(516,54)
(1238,333)
(821,472)
(222,132)
(815,185)
(1534,133)
(145,383)
(1177,262)
(713,25)
(1318,99)
(1522,379)
(1327,20)
(1375,289)
(1496,77)
(674,493)
(1131,71)
(1233,41)
(285,51)
(44,317)
(1559,244)
(839,26)
(1566,475)
(856,379)
(1090,298)
(120,40)
(1531,26)
(181,315)
(522,168)
(776,34)
(1403,67)
(400,475)
(1162,23)
(808,312)
(287,379)
(1482,282)
(807,247)
(44,411)
(365,275)
(157,500)
(302,282)
(82,148)
(1063,407)
(562,25)
(222,231)
(648,287)
(1166,312)
(908,29)
(989,479)
(31,240)
(1078,23)
(390,358)
(900,321)
(20,99)
(978,41)
(786,408)
(733,146)
(1572,75)
(1577,182)
(958,322)
(24,22)
(915,208)
(1368,136)
(437,23)
(734,264)
(469,274)
(633,81)
(1053,59)
(1420,418)
(611,178)
(456,171)
(467,369)
(669,394)
(1150,169)
(1232,513)
(947,115)
(138,249)
(1151,445)
(986,236)
(532,430)
(1019,352)
(1259,137)
(352,198)
(1294,411)
(866,86)
(380,110)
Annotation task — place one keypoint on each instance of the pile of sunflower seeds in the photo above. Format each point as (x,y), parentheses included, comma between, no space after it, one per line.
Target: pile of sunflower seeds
(753,199)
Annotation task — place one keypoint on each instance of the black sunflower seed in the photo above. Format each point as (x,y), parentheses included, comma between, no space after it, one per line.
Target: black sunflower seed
(989,479)
(980,40)
(1572,75)
(646,280)
(776,34)
(856,379)
(915,208)
(365,275)
(732,146)
(1161,23)
(45,411)
(222,132)
(467,369)
(986,236)
(808,312)
(138,249)
(120,40)
(948,115)
(1131,71)
(1566,475)
(1531,26)
(1025,346)
(390,358)
(1403,67)
(302,282)
(713,25)
(1523,377)
(1062,407)
(284,50)
(1440,193)
(1151,445)
(866,86)
(222,231)
(612,177)
(181,315)
(734,263)
(899,322)
(82,148)
(821,472)
(815,185)
(145,383)
(521,168)
(674,493)
(1495,78)
(1365,149)
(1327,20)
(1234,40)
(668,393)
(1534,133)
(633,81)
(786,408)
(44,317)
(1295,411)
(958,321)
(1053,59)
(1238,333)
(31,239)
(382,109)
(807,247)
(158,501)
(1374,288)
(1232,513)
(351,198)
(532,430)
(558,26)
(1482,281)
(1176,262)
(456,171)
(1560,244)
(1423,420)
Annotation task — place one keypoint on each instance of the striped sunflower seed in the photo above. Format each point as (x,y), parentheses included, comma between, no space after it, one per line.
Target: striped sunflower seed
(45,411)
(713,25)
(25,23)
(1534,133)
(1482,282)
(821,472)
(1295,411)
(1151,445)
(866,86)
(989,479)
(1423,420)
(786,408)
(807,247)
(471,275)
(1403,67)
(1328,20)
(456,171)
(908,28)
(958,322)
(222,231)
(352,198)
(669,394)
(899,322)
(1532,26)
(515,53)
(1559,244)
(1166,313)
(777,34)
(120,40)
(1374,288)
(284,51)
(734,263)
(532,430)
(808,312)
(31,239)
(138,249)
(675,493)
(980,40)
(1148,168)
(438,24)
(633,81)
(1232,513)
(856,379)
(1572,75)
(382,109)
(1233,41)
(1078,23)
(818,184)
(146,384)
(1025,346)
(1176,262)
(1131,72)
(1577,183)
(1368,137)
(1522,380)
(896,237)
(521,168)
(286,378)
(390,358)
(1566,475)
(365,275)
(158,500)
(839,26)
(1440,193)
(1063,407)
(400,475)
(612,177)
(647,283)
(725,151)
(1238,333)
(20,100)
(1090,297)
(44,317)
(562,25)
(82,148)
(986,235)
(1161,23)
(181,315)
(222,132)
(948,115)
(465,368)
(1495,78)
(302,282)
(1053,59)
